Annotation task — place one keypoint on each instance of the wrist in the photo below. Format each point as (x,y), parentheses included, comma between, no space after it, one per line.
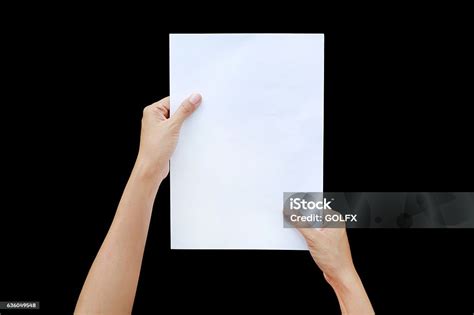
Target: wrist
(343,280)
(150,170)
(350,293)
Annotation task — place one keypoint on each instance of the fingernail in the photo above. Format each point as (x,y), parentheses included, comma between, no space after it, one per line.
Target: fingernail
(195,98)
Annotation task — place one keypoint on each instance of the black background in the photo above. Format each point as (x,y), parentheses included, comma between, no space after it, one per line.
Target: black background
(396,119)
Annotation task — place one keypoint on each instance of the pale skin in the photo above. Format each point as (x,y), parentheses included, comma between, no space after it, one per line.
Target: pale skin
(330,249)
(112,281)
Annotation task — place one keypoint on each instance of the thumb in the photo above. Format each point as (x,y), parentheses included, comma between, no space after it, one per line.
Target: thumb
(187,107)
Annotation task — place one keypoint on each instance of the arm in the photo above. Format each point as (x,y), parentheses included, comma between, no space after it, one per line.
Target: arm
(330,249)
(112,280)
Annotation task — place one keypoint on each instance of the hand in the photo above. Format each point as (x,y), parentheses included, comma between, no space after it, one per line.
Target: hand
(160,133)
(330,249)
(111,284)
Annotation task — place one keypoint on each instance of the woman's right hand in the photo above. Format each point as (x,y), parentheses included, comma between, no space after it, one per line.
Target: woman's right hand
(330,249)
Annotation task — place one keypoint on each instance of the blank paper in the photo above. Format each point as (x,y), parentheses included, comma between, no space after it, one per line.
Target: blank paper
(258,133)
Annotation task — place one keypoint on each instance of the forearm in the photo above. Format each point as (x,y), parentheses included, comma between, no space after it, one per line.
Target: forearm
(351,294)
(112,281)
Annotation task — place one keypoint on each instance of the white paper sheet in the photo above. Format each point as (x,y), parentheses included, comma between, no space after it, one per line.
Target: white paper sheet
(257,134)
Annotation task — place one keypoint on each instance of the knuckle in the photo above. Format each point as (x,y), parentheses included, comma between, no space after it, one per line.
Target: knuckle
(146,110)
(163,110)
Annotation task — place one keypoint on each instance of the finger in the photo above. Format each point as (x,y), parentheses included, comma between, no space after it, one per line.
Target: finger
(310,232)
(164,103)
(188,106)
(162,107)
